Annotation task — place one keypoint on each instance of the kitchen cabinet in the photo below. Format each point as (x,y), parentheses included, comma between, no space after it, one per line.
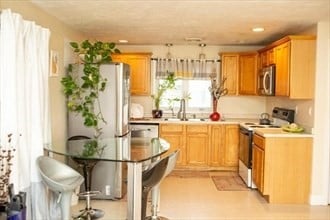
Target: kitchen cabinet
(240,70)
(140,71)
(281,168)
(229,70)
(258,161)
(175,135)
(203,146)
(294,57)
(224,146)
(266,58)
(197,142)
(248,67)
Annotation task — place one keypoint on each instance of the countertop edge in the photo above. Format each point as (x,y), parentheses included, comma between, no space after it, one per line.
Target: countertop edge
(162,121)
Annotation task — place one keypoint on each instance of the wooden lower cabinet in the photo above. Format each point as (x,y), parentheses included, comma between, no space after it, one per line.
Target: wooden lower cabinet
(281,168)
(224,146)
(203,146)
(175,135)
(258,160)
(197,145)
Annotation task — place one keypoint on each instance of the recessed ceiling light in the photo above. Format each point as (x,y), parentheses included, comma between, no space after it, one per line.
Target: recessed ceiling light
(258,29)
(123,41)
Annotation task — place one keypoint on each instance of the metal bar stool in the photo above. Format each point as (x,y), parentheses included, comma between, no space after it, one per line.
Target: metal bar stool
(152,177)
(87,168)
(172,158)
(59,178)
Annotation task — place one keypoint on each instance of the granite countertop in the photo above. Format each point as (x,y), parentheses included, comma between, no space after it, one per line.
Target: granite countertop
(278,132)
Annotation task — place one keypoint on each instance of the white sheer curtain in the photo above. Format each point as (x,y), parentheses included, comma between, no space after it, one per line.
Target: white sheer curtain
(24,108)
(186,68)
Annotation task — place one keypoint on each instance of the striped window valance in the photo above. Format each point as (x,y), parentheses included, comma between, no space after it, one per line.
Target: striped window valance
(186,68)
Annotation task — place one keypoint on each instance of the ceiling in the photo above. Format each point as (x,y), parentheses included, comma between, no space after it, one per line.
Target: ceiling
(215,22)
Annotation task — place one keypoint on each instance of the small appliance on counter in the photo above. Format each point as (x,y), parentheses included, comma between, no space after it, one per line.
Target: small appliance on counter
(137,111)
(281,116)
(264,119)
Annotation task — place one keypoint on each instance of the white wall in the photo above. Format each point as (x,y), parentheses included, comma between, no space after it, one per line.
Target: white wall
(321,151)
(229,106)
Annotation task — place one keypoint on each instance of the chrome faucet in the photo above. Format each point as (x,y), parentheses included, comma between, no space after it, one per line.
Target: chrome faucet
(182,110)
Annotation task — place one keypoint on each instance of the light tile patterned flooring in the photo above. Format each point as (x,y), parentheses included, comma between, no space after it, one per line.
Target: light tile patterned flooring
(198,199)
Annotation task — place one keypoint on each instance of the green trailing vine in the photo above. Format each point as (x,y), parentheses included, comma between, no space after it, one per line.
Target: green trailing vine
(82,92)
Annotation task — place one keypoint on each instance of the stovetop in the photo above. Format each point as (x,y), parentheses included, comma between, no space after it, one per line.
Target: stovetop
(281,116)
(251,125)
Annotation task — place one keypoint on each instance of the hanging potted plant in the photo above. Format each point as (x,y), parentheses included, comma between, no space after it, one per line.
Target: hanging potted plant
(82,92)
(168,83)
(216,90)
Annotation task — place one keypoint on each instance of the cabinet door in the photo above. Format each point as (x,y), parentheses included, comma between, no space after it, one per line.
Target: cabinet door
(231,145)
(270,57)
(248,66)
(216,155)
(263,59)
(258,157)
(282,82)
(140,71)
(175,134)
(229,70)
(197,143)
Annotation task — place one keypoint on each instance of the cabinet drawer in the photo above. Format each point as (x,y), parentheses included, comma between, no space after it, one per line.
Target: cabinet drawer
(259,141)
(172,128)
(197,129)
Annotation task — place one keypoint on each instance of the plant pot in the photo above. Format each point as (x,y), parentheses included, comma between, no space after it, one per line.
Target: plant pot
(157,113)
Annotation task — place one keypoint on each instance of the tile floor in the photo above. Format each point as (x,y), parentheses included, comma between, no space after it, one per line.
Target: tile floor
(198,199)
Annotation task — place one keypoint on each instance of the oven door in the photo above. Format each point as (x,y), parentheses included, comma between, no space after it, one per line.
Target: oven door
(245,147)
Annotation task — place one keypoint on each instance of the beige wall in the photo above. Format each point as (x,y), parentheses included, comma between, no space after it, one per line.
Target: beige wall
(60,34)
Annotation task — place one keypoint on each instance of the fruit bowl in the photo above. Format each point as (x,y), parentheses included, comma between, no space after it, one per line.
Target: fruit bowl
(292,129)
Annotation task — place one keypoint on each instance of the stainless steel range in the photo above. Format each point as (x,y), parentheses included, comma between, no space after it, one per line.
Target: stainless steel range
(281,116)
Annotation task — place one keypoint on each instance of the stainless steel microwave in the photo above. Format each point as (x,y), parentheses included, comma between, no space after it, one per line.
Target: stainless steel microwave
(266,80)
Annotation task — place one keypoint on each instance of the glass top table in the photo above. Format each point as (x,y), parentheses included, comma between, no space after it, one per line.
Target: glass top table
(134,151)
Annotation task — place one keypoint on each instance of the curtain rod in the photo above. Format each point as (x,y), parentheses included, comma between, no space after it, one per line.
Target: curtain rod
(198,60)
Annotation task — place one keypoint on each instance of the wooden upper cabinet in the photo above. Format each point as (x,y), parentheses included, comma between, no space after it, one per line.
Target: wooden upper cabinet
(294,57)
(266,58)
(140,71)
(248,67)
(229,70)
(240,70)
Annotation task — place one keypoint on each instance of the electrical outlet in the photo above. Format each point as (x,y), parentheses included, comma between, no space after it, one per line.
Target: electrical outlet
(107,190)
(310,111)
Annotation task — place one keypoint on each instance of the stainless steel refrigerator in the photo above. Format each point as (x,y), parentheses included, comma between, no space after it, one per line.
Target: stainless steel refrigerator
(108,177)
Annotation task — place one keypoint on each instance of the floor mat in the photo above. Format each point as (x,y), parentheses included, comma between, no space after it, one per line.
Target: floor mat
(230,182)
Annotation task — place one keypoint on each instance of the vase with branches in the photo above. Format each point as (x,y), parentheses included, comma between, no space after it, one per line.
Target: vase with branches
(216,90)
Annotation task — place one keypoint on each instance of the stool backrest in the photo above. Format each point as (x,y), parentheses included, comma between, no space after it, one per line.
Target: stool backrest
(78,137)
(57,175)
(172,158)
